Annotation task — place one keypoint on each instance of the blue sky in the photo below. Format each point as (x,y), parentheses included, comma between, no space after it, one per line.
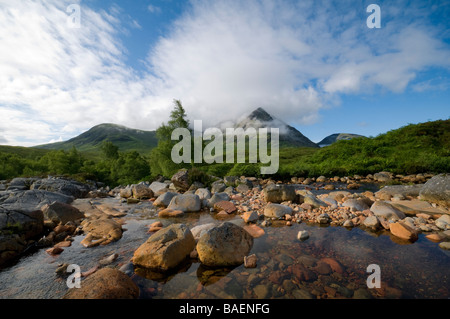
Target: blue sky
(313,64)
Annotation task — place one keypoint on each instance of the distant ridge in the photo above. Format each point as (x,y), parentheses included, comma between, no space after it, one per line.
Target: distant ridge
(125,138)
(330,139)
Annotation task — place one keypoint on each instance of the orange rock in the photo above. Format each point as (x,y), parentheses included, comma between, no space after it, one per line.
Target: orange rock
(227,206)
(403,231)
(65,243)
(54,251)
(334,264)
(254,230)
(436,238)
(170,213)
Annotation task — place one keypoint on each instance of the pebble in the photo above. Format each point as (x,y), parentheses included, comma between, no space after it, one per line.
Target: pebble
(303,235)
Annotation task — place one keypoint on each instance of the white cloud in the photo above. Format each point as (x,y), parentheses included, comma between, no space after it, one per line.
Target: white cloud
(153,9)
(221,58)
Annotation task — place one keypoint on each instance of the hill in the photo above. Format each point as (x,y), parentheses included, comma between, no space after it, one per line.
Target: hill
(412,149)
(125,138)
(330,139)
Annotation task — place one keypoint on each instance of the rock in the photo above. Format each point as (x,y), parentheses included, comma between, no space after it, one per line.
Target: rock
(224,245)
(303,235)
(166,249)
(329,187)
(217,197)
(435,238)
(445,245)
(277,193)
(250,217)
(313,201)
(254,230)
(61,213)
(199,230)
(63,186)
(100,231)
(21,183)
(203,193)
(323,219)
(403,231)
(126,192)
(355,204)
(163,200)
(185,202)
(141,191)
(227,206)
(11,246)
(131,201)
(372,222)
(181,180)
(335,265)
(277,210)
(21,222)
(54,251)
(443,222)
(321,179)
(218,187)
(250,261)
(108,260)
(437,190)
(230,180)
(383,177)
(261,291)
(404,190)
(348,223)
(353,186)
(322,268)
(170,213)
(106,283)
(33,199)
(307,181)
(159,188)
(302,273)
(387,211)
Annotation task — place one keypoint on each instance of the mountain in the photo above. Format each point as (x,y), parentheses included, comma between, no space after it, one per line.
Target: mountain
(127,139)
(289,136)
(330,139)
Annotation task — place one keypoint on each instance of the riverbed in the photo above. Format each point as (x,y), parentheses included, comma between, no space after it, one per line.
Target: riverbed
(407,270)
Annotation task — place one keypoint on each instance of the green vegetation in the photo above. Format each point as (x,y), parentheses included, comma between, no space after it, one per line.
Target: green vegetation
(411,149)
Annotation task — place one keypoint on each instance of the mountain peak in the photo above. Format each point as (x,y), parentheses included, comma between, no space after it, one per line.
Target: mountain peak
(260,114)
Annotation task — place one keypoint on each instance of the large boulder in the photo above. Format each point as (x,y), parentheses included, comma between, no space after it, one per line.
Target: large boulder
(141,191)
(276,210)
(159,188)
(387,211)
(437,190)
(166,249)
(33,199)
(277,193)
(61,212)
(107,283)
(181,180)
(164,199)
(17,226)
(405,190)
(225,245)
(355,204)
(185,203)
(22,222)
(21,183)
(62,186)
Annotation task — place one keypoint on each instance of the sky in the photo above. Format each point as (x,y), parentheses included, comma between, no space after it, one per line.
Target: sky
(66,66)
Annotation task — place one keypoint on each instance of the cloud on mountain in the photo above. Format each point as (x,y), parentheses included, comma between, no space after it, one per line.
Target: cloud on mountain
(221,58)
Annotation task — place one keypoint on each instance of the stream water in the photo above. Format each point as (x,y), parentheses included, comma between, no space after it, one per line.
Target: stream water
(417,270)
